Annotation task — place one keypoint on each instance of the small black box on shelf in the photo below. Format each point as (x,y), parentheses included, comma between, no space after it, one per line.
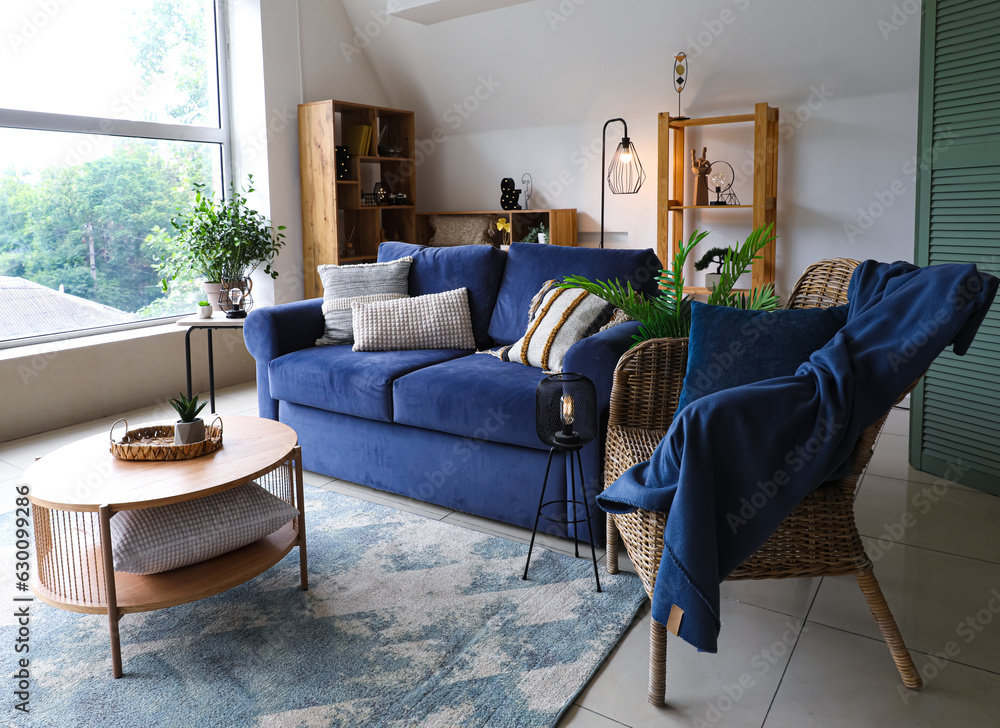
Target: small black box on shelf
(343,163)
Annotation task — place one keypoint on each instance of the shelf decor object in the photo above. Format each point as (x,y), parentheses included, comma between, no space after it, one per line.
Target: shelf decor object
(508,195)
(722,184)
(673,179)
(526,181)
(566,420)
(680,79)
(625,173)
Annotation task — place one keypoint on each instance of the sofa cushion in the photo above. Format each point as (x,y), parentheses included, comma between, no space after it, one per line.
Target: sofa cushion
(338,379)
(345,284)
(476,396)
(478,268)
(730,347)
(530,265)
(434,321)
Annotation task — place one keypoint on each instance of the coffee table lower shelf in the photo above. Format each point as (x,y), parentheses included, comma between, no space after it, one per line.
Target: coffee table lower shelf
(148,592)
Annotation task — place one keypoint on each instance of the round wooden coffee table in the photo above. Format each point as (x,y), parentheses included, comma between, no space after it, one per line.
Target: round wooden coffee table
(76,489)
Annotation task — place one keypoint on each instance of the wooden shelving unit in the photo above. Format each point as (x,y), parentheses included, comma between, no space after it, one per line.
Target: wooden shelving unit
(674,178)
(332,214)
(560,223)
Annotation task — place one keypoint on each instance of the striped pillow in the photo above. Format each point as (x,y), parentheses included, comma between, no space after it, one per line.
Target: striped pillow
(559,317)
(346,284)
(435,321)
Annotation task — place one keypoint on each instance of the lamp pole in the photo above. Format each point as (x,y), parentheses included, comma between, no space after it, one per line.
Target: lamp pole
(604,145)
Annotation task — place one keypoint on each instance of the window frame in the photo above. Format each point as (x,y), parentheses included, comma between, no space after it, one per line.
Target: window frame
(77,124)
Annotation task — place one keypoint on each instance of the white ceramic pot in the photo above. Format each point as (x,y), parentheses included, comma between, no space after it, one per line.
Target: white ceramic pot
(212,291)
(543,238)
(712,280)
(204,312)
(186,433)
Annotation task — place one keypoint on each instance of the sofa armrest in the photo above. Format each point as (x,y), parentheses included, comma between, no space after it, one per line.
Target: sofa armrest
(274,331)
(596,357)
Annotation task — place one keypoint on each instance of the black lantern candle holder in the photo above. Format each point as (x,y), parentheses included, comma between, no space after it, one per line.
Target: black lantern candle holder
(234,297)
(566,420)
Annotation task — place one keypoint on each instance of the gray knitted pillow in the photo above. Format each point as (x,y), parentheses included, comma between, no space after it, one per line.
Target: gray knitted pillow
(153,540)
(345,284)
(434,321)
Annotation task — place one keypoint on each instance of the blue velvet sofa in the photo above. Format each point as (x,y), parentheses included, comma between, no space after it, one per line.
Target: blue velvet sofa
(445,426)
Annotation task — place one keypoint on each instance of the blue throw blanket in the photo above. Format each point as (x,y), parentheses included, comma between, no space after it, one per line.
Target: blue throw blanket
(735,463)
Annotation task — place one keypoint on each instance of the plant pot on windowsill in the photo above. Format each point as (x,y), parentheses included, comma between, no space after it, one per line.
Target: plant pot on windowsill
(212,291)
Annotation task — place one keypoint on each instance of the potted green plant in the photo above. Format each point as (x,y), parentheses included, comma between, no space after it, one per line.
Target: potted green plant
(537,234)
(223,241)
(204,309)
(189,428)
(717,257)
(668,315)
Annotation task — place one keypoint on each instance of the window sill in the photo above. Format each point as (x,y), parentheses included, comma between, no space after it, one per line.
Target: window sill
(72,342)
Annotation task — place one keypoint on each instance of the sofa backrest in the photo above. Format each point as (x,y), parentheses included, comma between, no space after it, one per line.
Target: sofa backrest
(478,268)
(530,265)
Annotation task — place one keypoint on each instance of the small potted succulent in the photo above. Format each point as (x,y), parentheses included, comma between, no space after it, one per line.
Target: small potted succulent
(190,428)
(204,309)
(537,234)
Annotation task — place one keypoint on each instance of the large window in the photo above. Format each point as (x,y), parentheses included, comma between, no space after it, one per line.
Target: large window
(110,112)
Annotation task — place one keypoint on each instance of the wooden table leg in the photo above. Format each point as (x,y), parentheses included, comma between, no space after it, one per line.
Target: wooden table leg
(303,569)
(112,597)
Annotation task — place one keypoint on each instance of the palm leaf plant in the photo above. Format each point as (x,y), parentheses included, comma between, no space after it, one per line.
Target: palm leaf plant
(668,315)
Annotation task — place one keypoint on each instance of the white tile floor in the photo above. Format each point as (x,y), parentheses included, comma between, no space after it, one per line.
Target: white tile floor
(792,653)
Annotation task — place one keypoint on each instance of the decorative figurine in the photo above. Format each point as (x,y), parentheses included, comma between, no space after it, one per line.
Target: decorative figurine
(508,195)
(701,167)
(526,181)
(680,79)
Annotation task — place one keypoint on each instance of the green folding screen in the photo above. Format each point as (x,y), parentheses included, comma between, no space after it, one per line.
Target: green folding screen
(955,422)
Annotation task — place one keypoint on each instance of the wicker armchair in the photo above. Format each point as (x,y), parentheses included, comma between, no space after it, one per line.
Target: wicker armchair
(819,538)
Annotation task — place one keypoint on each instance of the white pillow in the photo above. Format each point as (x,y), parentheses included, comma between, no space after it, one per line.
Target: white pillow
(434,321)
(558,319)
(158,539)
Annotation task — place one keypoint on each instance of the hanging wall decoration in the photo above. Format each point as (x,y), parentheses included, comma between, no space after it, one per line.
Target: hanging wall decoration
(508,195)
(680,79)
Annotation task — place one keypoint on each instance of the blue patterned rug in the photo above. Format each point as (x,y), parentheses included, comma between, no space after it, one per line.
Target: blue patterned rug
(407,622)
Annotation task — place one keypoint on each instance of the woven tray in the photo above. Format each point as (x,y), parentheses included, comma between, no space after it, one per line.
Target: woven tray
(157,443)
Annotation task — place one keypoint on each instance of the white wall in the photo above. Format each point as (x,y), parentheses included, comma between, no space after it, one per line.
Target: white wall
(549,73)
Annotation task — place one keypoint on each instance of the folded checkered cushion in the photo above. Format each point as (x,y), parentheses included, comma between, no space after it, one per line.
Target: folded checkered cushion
(434,321)
(167,537)
(346,284)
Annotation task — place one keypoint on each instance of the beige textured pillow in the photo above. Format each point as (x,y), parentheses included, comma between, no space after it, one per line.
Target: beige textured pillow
(154,540)
(434,321)
(562,317)
(452,230)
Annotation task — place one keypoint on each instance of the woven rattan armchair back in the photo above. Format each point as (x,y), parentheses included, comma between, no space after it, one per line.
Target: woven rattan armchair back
(819,538)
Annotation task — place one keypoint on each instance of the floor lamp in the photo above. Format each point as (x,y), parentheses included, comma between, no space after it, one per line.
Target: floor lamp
(625,175)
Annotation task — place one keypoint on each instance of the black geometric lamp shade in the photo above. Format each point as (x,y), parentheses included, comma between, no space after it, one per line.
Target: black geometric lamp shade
(566,411)
(625,174)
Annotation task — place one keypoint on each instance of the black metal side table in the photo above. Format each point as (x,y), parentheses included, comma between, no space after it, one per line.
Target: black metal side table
(566,420)
(217,321)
